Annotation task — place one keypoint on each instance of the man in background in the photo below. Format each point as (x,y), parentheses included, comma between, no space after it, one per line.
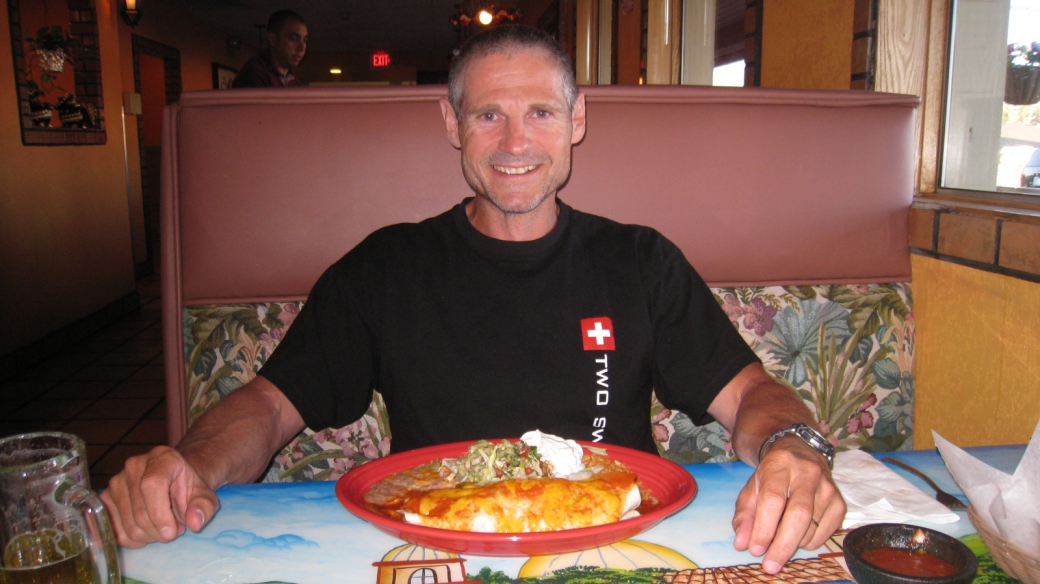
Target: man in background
(286,46)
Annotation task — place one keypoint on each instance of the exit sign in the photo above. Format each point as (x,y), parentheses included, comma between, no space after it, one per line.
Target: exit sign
(380,59)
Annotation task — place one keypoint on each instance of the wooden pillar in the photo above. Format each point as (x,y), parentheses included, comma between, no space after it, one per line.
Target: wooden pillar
(806,44)
(663,41)
(929,119)
(586,48)
(606,42)
(629,42)
(902,57)
(698,42)
(565,32)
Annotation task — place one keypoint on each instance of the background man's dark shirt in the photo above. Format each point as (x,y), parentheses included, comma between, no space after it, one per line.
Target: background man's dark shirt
(260,72)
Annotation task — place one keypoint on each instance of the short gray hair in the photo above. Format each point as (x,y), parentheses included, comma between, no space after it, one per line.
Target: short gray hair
(506,40)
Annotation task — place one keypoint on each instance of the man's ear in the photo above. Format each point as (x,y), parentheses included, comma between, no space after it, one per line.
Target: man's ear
(578,119)
(272,39)
(451,122)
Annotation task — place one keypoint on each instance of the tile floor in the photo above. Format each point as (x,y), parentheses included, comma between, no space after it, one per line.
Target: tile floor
(108,390)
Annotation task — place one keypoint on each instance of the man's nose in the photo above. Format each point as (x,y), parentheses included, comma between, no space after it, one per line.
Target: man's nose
(514,137)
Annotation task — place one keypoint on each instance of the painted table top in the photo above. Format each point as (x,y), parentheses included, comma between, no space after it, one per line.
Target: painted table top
(300,533)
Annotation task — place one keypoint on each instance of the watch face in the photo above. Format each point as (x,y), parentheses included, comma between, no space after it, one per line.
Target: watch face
(817,441)
(811,437)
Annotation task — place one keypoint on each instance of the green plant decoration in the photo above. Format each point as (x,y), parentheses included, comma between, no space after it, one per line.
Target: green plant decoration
(52,46)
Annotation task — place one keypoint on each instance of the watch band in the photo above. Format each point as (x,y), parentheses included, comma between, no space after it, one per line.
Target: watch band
(811,437)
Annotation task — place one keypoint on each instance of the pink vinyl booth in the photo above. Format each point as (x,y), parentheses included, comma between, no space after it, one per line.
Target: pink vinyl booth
(792,205)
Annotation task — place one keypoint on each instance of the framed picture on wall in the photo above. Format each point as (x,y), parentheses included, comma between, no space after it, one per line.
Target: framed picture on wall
(57,72)
(223,76)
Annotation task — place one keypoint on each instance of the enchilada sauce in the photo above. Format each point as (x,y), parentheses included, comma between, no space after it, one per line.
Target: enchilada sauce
(909,562)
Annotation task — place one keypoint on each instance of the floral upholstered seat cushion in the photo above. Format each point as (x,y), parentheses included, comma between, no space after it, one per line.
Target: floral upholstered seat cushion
(846,350)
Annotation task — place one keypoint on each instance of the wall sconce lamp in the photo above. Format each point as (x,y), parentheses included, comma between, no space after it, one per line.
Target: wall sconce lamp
(130,13)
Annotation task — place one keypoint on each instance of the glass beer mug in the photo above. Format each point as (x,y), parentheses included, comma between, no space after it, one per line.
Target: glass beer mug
(53,528)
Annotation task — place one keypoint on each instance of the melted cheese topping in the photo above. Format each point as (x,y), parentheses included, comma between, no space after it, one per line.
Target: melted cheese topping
(527,505)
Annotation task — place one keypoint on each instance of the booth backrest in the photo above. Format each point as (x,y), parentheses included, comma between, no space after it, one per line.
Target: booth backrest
(788,203)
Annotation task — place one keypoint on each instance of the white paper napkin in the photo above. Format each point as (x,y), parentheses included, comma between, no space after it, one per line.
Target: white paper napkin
(1009,503)
(874,493)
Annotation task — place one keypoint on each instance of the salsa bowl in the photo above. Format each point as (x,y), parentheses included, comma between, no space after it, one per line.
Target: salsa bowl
(910,543)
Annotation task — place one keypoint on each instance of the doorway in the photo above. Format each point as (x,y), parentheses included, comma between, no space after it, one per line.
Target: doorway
(157,77)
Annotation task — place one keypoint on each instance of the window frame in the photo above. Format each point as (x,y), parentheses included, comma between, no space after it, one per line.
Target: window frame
(933,135)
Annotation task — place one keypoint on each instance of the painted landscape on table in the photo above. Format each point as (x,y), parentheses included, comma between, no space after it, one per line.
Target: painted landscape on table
(299,533)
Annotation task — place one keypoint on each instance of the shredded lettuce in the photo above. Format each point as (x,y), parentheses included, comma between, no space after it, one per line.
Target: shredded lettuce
(486,463)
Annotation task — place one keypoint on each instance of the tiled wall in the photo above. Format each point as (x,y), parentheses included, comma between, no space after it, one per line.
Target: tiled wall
(979,238)
(977,367)
(976,283)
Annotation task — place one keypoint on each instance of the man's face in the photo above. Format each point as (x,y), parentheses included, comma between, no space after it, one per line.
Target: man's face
(288,46)
(515,130)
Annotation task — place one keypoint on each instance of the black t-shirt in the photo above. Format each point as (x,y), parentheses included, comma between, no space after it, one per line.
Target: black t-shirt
(470,337)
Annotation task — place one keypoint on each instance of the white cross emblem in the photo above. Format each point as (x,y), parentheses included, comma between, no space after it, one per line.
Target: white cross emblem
(599,333)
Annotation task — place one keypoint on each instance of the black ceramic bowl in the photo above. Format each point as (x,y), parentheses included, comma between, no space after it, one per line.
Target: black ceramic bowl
(899,536)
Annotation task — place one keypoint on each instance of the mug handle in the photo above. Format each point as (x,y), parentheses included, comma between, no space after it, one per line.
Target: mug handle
(100,536)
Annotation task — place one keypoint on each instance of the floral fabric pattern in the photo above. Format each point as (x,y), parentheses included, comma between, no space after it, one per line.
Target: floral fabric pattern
(846,350)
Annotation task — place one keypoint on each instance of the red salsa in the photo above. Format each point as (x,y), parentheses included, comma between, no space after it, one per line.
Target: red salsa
(909,562)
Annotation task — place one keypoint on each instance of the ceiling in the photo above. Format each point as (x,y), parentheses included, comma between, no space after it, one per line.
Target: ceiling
(355,26)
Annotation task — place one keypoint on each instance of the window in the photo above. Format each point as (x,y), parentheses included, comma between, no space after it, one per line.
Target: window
(423,576)
(729,75)
(992,121)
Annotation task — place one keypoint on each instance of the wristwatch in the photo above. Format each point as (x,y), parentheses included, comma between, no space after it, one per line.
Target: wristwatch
(813,438)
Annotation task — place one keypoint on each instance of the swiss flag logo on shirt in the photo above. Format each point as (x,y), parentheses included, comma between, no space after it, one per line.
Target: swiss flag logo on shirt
(597,334)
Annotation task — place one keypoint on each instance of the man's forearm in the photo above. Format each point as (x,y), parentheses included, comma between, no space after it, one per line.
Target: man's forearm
(759,407)
(234,441)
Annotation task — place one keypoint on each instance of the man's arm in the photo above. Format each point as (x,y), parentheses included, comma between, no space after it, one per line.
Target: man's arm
(160,493)
(791,500)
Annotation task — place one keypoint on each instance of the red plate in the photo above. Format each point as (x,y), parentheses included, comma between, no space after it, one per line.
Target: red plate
(673,486)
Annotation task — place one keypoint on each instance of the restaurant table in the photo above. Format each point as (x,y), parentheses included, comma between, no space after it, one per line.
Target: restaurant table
(300,533)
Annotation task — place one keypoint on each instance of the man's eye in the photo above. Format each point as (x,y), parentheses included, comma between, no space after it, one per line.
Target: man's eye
(487,117)
(542,114)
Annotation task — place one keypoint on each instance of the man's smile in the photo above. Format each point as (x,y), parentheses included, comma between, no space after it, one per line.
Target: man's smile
(514,170)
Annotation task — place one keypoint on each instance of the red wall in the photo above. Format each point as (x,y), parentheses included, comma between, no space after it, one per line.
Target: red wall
(153,97)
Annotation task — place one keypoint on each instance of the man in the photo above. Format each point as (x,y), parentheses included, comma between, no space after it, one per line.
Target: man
(467,323)
(286,46)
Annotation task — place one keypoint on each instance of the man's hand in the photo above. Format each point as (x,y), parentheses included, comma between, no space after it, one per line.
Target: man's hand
(161,493)
(789,503)
(155,497)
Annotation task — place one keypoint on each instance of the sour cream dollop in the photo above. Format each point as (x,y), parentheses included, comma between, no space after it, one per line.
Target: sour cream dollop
(564,455)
